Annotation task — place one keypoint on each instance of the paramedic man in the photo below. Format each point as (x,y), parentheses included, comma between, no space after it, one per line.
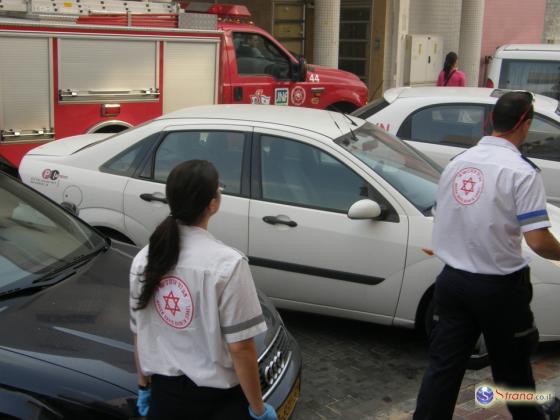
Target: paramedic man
(194,312)
(487,198)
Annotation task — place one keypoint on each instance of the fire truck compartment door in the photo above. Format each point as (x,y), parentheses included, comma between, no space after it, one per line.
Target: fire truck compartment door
(25,88)
(190,74)
(97,69)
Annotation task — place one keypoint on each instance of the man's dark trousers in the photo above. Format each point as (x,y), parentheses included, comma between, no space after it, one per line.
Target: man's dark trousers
(467,304)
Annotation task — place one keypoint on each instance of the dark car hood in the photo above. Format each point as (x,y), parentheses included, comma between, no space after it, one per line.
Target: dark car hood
(82,323)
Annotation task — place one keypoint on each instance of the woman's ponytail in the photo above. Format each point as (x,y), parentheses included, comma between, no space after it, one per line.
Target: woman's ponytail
(190,188)
(162,257)
(450,61)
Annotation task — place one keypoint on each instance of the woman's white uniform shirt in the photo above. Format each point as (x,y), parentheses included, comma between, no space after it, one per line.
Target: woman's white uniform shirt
(206,302)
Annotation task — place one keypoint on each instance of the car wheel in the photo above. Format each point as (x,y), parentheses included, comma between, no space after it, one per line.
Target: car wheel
(479,358)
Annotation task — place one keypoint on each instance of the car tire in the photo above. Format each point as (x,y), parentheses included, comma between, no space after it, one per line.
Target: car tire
(479,358)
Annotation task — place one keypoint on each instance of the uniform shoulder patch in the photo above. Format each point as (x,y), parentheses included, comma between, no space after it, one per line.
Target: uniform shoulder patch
(530,162)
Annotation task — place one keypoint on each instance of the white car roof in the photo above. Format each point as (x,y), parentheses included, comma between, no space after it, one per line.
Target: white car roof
(529,47)
(461,94)
(328,123)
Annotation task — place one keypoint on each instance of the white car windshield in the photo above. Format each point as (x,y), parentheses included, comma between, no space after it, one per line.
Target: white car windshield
(406,169)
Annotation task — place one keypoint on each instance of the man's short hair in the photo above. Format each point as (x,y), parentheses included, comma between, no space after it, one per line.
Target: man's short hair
(511,110)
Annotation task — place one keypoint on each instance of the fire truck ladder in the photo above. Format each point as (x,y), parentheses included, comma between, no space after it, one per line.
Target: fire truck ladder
(71,9)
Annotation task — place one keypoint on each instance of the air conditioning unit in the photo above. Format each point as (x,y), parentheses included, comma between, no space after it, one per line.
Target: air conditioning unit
(423,59)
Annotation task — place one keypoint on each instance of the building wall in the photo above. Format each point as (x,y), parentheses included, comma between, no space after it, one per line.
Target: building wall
(437,17)
(511,22)
(552,22)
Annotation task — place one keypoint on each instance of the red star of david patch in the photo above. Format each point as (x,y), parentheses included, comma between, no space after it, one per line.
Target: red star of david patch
(468,186)
(175,301)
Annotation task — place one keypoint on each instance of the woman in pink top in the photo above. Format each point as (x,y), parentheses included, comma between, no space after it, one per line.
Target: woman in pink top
(450,75)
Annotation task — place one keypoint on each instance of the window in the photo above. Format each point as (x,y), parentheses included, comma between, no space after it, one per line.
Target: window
(295,173)
(543,140)
(538,76)
(257,55)
(224,149)
(448,124)
(402,166)
(126,162)
(370,109)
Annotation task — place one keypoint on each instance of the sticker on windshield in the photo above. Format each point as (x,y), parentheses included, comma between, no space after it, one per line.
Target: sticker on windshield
(468,185)
(281,96)
(298,96)
(174,303)
(258,98)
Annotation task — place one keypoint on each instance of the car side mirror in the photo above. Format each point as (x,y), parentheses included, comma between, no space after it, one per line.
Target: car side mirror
(364,209)
(299,73)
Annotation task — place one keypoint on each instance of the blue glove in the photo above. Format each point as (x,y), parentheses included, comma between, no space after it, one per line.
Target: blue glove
(269,413)
(143,401)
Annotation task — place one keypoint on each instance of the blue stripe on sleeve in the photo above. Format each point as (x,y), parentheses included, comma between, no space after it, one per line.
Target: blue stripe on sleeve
(531,214)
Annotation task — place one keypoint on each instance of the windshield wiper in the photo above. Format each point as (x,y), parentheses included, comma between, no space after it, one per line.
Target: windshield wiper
(74,263)
(55,275)
(37,285)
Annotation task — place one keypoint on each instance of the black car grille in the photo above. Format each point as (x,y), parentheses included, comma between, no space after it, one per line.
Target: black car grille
(274,362)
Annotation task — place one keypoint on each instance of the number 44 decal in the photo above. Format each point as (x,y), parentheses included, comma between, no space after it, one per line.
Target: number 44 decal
(314,77)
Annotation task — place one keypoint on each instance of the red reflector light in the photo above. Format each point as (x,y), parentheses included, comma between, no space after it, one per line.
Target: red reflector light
(489,84)
(230,10)
(110,110)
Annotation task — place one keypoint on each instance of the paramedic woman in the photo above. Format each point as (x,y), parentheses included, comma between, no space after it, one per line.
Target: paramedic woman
(194,312)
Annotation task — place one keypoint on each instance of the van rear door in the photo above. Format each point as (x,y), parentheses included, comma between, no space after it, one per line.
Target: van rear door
(537,76)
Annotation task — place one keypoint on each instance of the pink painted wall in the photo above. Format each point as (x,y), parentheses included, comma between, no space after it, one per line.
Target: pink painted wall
(510,22)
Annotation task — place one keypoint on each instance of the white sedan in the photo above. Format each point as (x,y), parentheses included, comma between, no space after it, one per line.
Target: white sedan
(333,212)
(442,122)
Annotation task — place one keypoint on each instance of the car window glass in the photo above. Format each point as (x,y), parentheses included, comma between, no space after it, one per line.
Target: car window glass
(223,148)
(451,125)
(543,140)
(415,177)
(296,173)
(37,236)
(257,55)
(126,162)
(537,76)
(371,108)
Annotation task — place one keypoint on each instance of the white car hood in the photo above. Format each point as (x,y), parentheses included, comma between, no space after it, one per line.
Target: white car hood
(68,145)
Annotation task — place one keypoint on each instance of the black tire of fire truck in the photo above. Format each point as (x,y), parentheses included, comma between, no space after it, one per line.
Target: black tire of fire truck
(343,107)
(479,358)
(8,168)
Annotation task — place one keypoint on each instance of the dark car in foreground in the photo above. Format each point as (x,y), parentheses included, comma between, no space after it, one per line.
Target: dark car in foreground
(65,345)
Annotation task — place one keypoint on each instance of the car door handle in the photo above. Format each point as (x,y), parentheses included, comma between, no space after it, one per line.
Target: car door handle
(274,220)
(151,197)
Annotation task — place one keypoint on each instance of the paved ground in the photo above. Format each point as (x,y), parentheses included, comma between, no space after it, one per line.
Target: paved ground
(355,370)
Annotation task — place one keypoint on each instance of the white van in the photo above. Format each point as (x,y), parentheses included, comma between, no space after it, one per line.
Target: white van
(533,67)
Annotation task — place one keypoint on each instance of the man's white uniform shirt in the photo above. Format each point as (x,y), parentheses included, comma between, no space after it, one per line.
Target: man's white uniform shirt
(207,301)
(487,196)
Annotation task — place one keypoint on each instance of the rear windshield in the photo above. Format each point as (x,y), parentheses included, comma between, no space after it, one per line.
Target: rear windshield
(537,76)
(372,108)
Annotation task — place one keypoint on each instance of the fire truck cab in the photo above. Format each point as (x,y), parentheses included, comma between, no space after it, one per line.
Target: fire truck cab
(71,67)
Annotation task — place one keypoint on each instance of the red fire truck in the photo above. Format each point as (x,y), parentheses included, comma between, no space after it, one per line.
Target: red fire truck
(70,67)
